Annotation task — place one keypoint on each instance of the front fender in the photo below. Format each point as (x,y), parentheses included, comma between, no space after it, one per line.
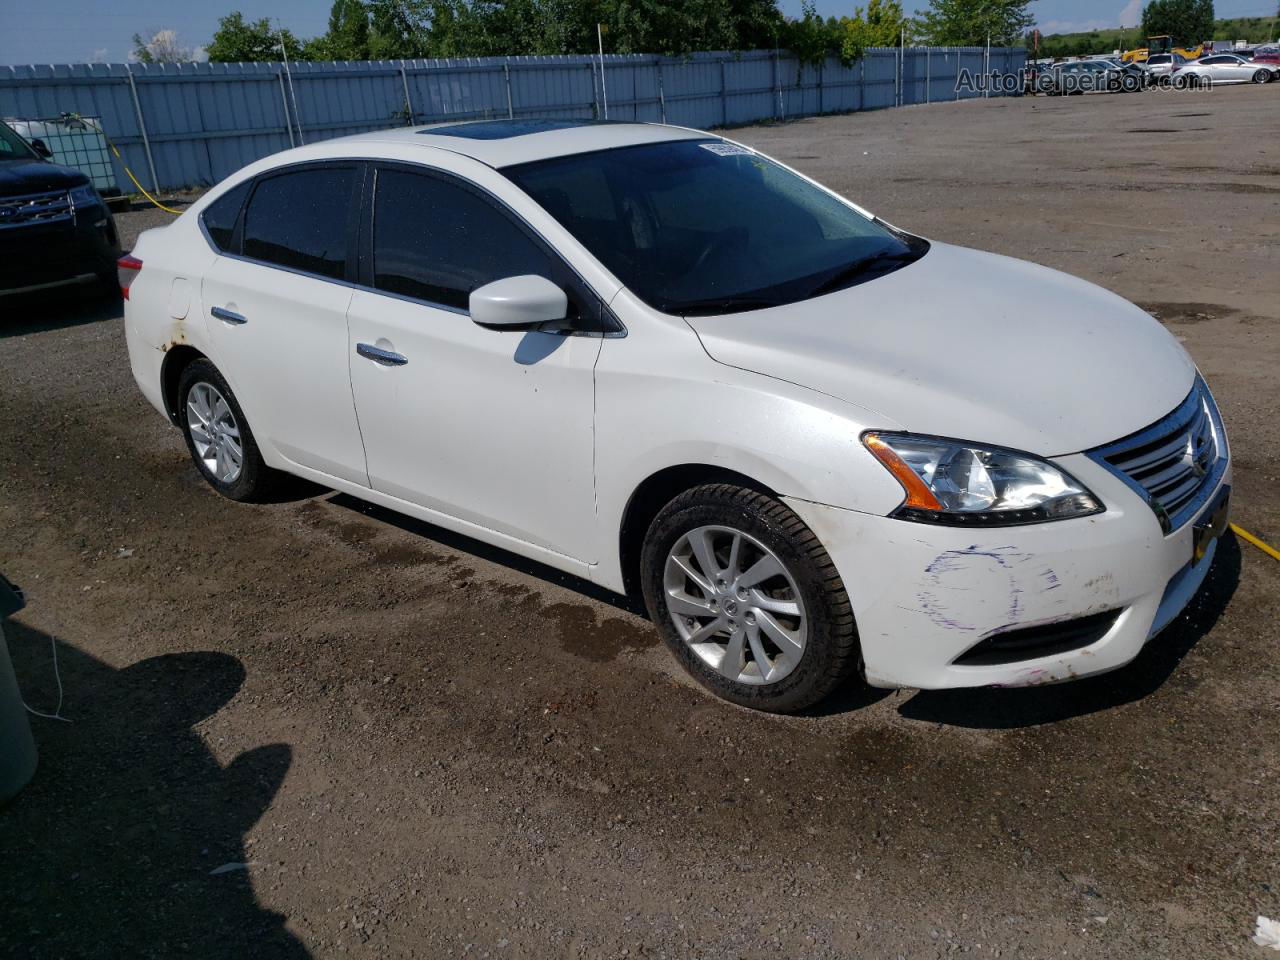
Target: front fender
(691,410)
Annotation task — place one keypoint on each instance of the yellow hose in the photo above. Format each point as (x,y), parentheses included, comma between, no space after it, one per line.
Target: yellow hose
(141,188)
(1265,548)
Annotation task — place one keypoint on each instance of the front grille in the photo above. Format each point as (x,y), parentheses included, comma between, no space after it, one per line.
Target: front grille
(51,207)
(1176,462)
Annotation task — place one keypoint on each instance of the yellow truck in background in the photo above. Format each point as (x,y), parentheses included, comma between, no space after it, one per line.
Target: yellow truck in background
(1162,44)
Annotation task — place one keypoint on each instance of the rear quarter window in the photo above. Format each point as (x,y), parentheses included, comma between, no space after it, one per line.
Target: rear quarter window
(219,218)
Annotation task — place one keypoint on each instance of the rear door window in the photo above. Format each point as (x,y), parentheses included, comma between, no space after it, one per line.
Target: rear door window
(299,219)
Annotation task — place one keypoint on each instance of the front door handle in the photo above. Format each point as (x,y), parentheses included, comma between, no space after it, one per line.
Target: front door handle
(229,316)
(378,355)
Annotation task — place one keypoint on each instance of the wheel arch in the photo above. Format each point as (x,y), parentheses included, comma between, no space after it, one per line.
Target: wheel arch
(176,359)
(655,492)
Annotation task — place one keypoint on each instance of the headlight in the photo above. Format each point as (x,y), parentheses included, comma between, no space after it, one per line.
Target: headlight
(83,196)
(957,484)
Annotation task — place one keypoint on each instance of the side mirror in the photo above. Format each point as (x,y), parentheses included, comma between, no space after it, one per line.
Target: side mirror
(518,303)
(41,148)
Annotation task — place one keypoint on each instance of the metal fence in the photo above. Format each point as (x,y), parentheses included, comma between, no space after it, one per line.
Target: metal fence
(194,123)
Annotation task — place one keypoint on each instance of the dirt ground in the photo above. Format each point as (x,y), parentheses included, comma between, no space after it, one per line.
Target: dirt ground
(314,728)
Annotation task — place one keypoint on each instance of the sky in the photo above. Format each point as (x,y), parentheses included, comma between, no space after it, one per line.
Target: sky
(78,31)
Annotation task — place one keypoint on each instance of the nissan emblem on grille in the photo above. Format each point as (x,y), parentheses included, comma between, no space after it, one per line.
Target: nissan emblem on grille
(1174,463)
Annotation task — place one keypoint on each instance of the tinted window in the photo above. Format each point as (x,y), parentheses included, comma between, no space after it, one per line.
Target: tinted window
(437,241)
(220,217)
(299,220)
(12,145)
(710,227)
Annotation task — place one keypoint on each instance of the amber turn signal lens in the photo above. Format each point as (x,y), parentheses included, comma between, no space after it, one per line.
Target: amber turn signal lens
(918,495)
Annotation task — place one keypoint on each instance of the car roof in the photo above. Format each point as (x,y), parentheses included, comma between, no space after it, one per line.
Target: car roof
(503,143)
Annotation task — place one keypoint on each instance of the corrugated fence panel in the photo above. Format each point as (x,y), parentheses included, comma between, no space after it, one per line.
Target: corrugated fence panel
(201,121)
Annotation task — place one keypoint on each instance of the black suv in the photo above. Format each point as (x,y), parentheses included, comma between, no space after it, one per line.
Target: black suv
(54,227)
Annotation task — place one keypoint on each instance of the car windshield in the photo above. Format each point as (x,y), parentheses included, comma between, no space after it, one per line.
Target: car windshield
(13,146)
(708,227)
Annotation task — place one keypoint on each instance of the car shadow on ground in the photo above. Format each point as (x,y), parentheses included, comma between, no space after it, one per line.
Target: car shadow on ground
(1003,709)
(115,846)
(57,308)
(484,551)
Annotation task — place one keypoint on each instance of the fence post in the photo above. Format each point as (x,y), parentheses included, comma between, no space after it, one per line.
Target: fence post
(776,86)
(604,91)
(284,102)
(822,70)
(958,68)
(408,100)
(662,97)
(862,81)
(506,73)
(986,68)
(897,80)
(928,74)
(724,98)
(142,127)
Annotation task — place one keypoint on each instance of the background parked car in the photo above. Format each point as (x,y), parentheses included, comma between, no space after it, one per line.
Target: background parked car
(1160,66)
(1269,55)
(54,226)
(1141,79)
(1093,76)
(1223,68)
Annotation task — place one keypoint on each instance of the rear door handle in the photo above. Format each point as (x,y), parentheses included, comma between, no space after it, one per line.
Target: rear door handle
(230,316)
(378,355)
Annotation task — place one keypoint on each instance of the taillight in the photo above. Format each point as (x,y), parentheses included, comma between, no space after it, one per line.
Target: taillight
(127,268)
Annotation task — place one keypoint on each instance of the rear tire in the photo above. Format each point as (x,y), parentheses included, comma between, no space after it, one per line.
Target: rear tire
(769,625)
(218,435)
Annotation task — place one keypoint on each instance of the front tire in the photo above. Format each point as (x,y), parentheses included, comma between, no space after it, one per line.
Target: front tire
(748,600)
(1262,76)
(218,435)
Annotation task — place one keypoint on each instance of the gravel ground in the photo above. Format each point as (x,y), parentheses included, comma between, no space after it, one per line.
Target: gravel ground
(314,728)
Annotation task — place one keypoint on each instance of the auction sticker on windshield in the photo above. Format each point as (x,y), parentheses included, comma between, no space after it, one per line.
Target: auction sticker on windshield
(727,149)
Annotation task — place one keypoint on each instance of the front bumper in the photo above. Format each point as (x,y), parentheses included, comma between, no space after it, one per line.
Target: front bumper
(40,255)
(924,596)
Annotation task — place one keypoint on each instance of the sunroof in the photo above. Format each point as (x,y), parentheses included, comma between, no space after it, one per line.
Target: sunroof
(505,129)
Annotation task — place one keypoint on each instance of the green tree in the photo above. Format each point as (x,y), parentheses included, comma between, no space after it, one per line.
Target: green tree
(811,38)
(880,25)
(1187,21)
(968,23)
(348,35)
(395,29)
(240,41)
(400,29)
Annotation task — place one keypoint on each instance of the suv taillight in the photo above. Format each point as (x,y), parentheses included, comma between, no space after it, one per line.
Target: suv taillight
(127,268)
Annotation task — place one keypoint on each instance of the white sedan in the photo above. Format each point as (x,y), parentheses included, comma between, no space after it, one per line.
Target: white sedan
(1222,68)
(818,446)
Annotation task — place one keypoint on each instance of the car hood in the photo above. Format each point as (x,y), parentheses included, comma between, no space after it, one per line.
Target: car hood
(18,177)
(973,346)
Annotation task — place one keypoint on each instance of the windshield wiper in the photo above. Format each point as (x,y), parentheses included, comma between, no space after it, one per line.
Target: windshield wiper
(875,264)
(714,305)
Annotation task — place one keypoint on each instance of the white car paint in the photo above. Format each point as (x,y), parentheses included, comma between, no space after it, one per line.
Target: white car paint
(537,443)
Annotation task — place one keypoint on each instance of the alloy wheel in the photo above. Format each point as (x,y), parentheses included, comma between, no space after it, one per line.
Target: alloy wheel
(214,432)
(735,604)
